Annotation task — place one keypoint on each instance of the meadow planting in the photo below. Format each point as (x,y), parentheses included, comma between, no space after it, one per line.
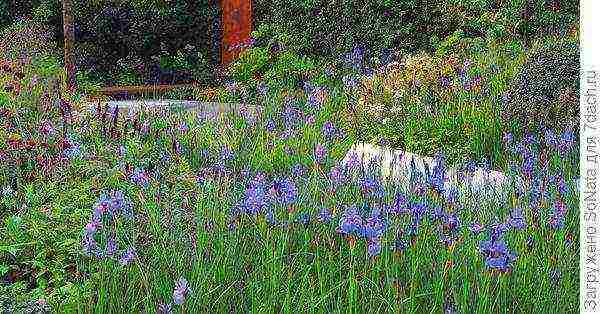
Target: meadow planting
(267,209)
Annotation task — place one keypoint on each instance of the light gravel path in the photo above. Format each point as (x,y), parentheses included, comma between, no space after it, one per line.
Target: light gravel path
(202,108)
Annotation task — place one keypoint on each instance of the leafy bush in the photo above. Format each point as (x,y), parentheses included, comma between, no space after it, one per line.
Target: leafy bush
(546,90)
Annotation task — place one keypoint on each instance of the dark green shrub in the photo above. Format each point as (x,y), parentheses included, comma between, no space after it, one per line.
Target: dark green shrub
(330,27)
(546,90)
(26,39)
(140,41)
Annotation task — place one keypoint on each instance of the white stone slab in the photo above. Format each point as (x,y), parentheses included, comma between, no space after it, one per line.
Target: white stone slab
(396,165)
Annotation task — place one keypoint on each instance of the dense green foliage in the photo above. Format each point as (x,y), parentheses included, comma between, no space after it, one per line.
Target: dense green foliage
(172,41)
(331,27)
(138,42)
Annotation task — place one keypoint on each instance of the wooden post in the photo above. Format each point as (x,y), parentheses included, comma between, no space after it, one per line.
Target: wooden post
(69,33)
(237,25)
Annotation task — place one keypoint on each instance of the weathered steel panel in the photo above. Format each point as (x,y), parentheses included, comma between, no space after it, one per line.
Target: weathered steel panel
(237,25)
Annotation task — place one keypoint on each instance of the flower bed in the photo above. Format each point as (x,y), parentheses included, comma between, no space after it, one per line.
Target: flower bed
(199,213)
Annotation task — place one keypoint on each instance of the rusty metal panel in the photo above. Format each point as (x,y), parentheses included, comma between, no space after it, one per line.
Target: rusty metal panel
(237,25)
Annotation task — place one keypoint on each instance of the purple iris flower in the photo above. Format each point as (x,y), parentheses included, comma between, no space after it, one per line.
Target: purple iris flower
(320,153)
(400,205)
(111,247)
(418,210)
(493,248)
(373,247)
(437,213)
(181,291)
(372,187)
(517,220)
(451,222)
(127,256)
(351,222)
(255,199)
(374,227)
(498,230)
(501,263)
(285,191)
(328,130)
(476,228)
(324,215)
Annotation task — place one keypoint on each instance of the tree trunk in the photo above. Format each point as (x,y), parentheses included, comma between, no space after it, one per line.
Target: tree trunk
(69,34)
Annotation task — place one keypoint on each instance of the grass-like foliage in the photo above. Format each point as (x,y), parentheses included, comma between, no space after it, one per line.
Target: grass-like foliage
(185,211)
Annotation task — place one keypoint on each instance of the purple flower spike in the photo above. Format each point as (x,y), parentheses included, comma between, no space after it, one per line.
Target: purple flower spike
(351,222)
(328,130)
